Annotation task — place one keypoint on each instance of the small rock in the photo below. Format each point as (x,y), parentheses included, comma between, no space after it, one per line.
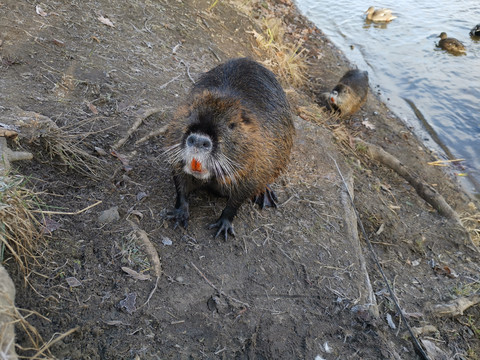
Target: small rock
(166,241)
(109,215)
(129,303)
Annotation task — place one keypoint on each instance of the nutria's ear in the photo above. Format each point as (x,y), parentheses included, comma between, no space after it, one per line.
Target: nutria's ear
(183,111)
(246,119)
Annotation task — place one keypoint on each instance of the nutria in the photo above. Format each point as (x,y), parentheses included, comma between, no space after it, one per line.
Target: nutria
(348,96)
(452,45)
(233,136)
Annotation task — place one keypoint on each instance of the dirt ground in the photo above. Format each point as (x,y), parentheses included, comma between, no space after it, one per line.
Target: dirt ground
(296,282)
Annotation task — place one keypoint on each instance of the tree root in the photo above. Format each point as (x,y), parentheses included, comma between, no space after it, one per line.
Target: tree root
(456,307)
(425,191)
(152,256)
(7,156)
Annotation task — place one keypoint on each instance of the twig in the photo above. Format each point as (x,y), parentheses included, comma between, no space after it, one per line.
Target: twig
(151,293)
(168,83)
(136,125)
(416,343)
(51,342)
(152,134)
(215,54)
(66,212)
(188,71)
(216,289)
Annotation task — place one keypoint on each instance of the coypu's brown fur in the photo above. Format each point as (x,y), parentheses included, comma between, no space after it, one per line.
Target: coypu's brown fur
(233,136)
(348,96)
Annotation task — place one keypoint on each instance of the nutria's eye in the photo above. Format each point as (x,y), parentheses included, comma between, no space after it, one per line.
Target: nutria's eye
(231,126)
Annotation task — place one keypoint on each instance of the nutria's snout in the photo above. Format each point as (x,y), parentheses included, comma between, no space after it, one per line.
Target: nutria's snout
(198,148)
(333,96)
(198,142)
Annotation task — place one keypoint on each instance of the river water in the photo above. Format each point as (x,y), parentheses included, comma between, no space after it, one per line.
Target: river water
(436,93)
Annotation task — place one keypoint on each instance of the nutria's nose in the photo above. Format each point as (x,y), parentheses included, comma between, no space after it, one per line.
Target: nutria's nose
(200,142)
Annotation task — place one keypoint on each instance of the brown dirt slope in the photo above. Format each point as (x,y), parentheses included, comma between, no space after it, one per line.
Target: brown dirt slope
(296,282)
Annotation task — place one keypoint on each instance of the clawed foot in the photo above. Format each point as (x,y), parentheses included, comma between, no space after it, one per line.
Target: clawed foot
(267,198)
(224,226)
(180,216)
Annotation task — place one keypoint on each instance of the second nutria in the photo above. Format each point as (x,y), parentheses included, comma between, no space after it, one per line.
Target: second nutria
(348,96)
(233,136)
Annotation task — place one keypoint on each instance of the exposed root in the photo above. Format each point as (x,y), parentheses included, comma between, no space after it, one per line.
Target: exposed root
(7,156)
(425,191)
(456,307)
(152,256)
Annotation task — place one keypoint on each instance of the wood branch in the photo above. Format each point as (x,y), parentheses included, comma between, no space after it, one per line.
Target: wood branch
(368,301)
(135,126)
(152,134)
(425,191)
(456,307)
(7,320)
(7,156)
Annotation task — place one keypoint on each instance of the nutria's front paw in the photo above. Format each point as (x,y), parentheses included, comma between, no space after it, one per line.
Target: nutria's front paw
(267,198)
(223,225)
(180,216)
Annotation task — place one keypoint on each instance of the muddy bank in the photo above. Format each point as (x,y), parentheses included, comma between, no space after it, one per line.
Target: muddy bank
(296,282)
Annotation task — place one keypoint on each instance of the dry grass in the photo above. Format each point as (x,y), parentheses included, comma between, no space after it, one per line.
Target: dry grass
(18,226)
(37,348)
(471,221)
(65,144)
(341,134)
(283,59)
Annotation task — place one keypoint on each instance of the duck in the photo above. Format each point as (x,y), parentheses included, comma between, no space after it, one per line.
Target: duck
(475,31)
(379,15)
(452,45)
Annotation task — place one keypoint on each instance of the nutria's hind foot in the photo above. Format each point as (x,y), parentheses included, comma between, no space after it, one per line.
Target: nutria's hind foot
(180,216)
(267,198)
(224,226)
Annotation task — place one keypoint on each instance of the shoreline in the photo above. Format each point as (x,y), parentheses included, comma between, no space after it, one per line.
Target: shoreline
(424,133)
(296,282)
(374,104)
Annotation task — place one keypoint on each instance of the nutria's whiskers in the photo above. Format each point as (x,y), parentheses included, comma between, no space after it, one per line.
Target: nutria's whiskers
(174,153)
(225,168)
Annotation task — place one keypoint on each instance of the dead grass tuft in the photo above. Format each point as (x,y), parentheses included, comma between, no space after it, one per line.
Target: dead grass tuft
(332,121)
(18,226)
(471,221)
(283,59)
(66,144)
(37,348)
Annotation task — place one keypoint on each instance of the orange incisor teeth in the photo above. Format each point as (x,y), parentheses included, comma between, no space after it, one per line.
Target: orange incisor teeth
(196,165)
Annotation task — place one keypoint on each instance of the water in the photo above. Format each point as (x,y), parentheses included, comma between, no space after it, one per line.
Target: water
(436,93)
